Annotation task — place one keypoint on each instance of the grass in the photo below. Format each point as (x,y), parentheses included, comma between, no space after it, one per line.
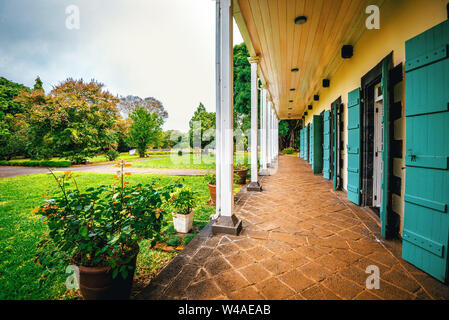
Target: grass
(99,159)
(20,230)
(188,161)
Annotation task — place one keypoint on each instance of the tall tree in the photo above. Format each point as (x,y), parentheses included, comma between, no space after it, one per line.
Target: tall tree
(145,130)
(75,120)
(242,88)
(13,127)
(38,84)
(202,126)
(129,103)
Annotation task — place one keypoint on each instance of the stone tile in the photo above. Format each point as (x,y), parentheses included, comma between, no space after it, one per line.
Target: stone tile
(366,295)
(401,279)
(259,253)
(319,292)
(276,265)
(293,258)
(390,292)
(240,259)
(228,248)
(342,287)
(274,289)
(255,273)
(296,280)
(248,293)
(203,290)
(315,271)
(230,281)
(217,265)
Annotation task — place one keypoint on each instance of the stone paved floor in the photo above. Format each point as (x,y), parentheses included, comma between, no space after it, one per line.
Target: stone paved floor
(301,240)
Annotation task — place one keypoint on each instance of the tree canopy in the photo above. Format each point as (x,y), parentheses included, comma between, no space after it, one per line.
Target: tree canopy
(145,130)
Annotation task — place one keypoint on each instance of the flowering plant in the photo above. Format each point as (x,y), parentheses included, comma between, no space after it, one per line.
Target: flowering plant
(101,227)
(183,200)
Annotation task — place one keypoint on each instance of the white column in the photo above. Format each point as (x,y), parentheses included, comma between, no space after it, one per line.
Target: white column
(226,222)
(263,138)
(270,134)
(254,185)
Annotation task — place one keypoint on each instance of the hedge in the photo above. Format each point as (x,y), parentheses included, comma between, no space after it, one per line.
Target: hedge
(37,163)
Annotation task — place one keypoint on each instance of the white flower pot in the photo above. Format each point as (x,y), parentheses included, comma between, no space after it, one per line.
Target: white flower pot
(183,222)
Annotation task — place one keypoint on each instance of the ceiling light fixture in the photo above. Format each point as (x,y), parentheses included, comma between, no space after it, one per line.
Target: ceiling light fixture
(295,70)
(300,20)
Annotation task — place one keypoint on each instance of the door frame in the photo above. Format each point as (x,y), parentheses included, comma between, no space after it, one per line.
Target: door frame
(336,143)
(371,78)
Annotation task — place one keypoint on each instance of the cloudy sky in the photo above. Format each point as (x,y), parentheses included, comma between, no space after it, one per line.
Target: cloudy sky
(159,48)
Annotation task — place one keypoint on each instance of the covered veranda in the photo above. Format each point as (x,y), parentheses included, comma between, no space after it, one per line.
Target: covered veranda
(300,240)
(289,234)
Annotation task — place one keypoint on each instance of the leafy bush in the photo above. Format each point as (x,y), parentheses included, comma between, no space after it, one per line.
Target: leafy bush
(180,153)
(102,226)
(37,163)
(210,177)
(112,154)
(288,151)
(183,200)
(240,166)
(174,241)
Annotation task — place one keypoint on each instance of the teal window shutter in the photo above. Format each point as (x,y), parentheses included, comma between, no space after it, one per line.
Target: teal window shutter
(317,146)
(326,144)
(426,217)
(353,147)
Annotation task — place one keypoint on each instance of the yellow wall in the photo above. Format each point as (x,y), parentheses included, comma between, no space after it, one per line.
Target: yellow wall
(400,20)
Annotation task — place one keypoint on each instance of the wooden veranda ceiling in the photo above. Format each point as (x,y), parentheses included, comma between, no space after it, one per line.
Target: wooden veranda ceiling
(313,47)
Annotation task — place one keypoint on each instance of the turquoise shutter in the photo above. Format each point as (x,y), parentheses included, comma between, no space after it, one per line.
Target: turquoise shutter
(311,143)
(385,153)
(326,144)
(426,217)
(334,111)
(317,146)
(353,146)
(306,143)
(301,143)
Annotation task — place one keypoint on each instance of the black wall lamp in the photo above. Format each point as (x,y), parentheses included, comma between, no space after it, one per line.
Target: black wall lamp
(347,51)
(310,107)
(326,83)
(316,97)
(295,70)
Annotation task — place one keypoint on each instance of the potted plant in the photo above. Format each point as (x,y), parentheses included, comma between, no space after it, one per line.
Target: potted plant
(183,202)
(210,179)
(99,230)
(241,171)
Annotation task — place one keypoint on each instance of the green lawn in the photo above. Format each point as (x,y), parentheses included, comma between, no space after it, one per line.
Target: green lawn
(188,161)
(20,230)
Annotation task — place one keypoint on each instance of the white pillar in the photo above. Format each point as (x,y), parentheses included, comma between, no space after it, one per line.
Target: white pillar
(264,133)
(254,185)
(270,134)
(226,222)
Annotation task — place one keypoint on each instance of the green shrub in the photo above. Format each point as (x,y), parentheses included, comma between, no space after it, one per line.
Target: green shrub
(174,241)
(37,163)
(288,151)
(112,154)
(180,153)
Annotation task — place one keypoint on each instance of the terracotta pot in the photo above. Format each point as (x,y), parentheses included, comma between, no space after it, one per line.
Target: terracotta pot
(242,175)
(96,283)
(212,191)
